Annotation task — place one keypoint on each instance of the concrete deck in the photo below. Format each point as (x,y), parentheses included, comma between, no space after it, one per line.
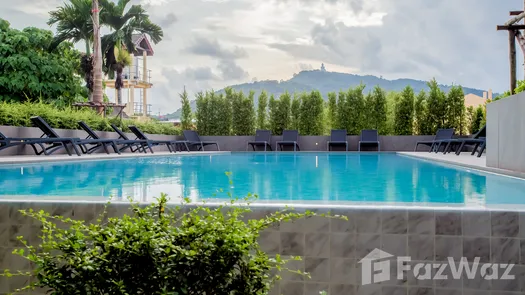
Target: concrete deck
(463,160)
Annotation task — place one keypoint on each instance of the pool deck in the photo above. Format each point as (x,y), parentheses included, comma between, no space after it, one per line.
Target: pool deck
(462,160)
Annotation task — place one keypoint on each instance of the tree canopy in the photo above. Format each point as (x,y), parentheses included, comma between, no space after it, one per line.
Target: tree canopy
(28,71)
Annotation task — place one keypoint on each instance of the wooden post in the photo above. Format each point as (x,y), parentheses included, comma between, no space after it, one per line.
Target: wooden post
(512,60)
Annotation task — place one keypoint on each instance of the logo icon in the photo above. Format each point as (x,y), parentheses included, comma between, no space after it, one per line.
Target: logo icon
(375,267)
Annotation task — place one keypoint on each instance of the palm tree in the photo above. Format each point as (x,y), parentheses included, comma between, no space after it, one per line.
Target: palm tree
(124,23)
(122,60)
(73,22)
(98,96)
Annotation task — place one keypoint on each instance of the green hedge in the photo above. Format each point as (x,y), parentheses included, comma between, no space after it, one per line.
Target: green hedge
(19,114)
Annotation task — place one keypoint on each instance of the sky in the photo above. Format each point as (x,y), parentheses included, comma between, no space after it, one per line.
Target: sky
(210,44)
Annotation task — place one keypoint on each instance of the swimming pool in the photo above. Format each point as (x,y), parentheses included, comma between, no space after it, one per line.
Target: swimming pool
(386,178)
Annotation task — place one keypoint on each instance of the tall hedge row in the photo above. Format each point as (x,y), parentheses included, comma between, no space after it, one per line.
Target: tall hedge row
(354,109)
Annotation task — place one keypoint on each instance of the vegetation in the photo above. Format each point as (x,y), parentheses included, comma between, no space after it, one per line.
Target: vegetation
(155,249)
(404,112)
(122,60)
(262,111)
(28,72)
(19,114)
(186,118)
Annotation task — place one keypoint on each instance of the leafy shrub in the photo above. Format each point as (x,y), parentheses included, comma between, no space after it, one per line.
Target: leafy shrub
(19,114)
(156,250)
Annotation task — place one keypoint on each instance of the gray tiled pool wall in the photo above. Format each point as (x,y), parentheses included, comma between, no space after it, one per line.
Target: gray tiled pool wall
(331,248)
(227,143)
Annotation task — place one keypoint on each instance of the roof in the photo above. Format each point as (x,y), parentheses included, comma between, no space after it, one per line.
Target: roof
(375,254)
(474,100)
(142,44)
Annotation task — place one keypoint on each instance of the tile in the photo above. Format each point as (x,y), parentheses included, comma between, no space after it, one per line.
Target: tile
(293,265)
(511,285)
(394,290)
(315,288)
(318,268)
(476,224)
(421,222)
(420,291)
(521,217)
(85,212)
(368,290)
(342,245)
(505,224)
(292,243)
(421,247)
(446,275)
(62,209)
(342,289)
(344,271)
(522,250)
(475,292)
(395,244)
(396,279)
(448,246)
(368,221)
(338,225)
(16,217)
(394,221)
(448,223)
(475,279)
(317,223)
(476,247)
(19,230)
(418,276)
(4,213)
(5,229)
(505,250)
(447,291)
(366,243)
(270,242)
(292,288)
(317,244)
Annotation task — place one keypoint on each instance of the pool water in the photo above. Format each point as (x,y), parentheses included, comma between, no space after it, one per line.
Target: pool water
(274,177)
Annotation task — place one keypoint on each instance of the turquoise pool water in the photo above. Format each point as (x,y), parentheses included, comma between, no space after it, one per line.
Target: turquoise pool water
(275,177)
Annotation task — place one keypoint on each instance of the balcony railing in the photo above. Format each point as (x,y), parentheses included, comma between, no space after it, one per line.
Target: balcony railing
(135,73)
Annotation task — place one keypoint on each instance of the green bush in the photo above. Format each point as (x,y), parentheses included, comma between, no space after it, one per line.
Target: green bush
(19,114)
(155,250)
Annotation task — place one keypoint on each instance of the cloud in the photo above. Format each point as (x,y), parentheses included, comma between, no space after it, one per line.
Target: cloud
(305,67)
(231,71)
(200,74)
(169,20)
(212,48)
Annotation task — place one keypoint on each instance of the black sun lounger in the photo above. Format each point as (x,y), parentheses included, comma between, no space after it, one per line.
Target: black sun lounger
(337,137)
(98,143)
(193,139)
(369,137)
(133,145)
(262,138)
(478,140)
(47,145)
(441,134)
(290,138)
(170,144)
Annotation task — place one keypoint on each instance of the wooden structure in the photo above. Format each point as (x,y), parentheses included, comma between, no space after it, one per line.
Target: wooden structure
(136,76)
(515,34)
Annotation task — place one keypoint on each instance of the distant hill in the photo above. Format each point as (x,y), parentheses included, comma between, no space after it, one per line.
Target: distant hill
(327,82)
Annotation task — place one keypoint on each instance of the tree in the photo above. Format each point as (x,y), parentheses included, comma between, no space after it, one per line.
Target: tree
(437,108)
(243,114)
(74,23)
(420,113)
(262,112)
(355,109)
(404,112)
(477,120)
(185,119)
(455,101)
(376,105)
(122,60)
(311,115)
(28,71)
(201,114)
(295,113)
(98,96)
(123,24)
(332,110)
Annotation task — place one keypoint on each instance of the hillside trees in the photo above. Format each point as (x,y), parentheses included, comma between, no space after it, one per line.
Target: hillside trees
(404,112)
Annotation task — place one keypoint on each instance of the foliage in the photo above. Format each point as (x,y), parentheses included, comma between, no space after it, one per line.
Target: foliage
(404,112)
(122,59)
(29,72)
(201,115)
(243,114)
(123,24)
(156,249)
(377,113)
(311,115)
(455,117)
(519,88)
(295,113)
(19,114)
(214,112)
(186,120)
(332,110)
(73,23)
(280,111)
(262,112)
(477,119)
(436,107)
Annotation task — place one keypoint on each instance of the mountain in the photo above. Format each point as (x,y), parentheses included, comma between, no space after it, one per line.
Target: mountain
(327,82)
